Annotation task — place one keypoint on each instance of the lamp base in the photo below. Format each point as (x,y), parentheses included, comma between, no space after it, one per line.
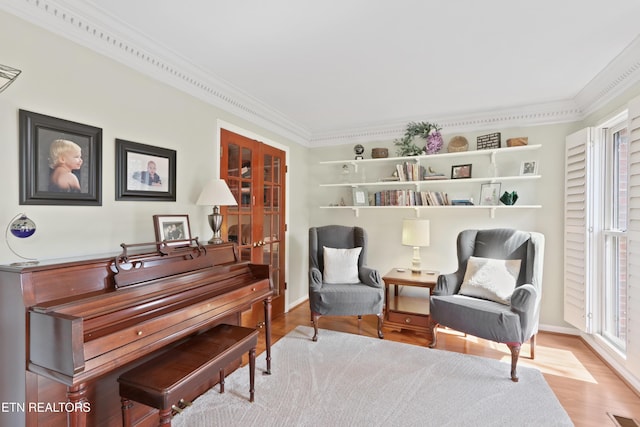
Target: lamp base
(24,263)
(215,222)
(415,261)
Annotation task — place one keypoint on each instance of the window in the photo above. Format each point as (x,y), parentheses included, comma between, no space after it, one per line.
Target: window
(613,289)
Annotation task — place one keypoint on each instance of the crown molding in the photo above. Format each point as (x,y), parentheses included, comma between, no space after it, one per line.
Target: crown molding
(85,24)
(618,76)
(90,27)
(522,116)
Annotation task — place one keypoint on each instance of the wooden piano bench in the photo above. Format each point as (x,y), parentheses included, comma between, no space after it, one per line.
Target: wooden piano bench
(165,380)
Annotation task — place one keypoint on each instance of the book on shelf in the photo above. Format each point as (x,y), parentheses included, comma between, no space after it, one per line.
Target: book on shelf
(434,177)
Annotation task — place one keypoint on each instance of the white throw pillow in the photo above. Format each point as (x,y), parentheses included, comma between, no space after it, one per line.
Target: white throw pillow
(492,279)
(341,265)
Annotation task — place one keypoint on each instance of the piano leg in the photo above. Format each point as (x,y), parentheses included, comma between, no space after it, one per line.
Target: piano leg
(77,395)
(267,332)
(165,417)
(126,411)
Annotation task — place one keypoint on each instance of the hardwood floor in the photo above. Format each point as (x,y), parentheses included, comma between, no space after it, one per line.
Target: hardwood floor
(585,386)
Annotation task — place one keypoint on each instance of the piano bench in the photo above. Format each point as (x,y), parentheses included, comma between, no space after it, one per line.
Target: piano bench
(167,379)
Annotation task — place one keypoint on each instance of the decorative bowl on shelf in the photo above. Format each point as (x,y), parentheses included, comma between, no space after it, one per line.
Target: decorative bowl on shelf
(458,144)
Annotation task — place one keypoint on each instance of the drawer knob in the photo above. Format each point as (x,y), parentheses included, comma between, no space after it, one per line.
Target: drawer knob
(139,333)
(407,320)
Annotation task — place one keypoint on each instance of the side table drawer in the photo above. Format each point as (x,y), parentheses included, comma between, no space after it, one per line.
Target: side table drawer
(408,319)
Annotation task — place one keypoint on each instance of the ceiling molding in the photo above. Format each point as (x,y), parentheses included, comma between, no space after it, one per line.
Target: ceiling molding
(78,22)
(533,115)
(619,75)
(88,26)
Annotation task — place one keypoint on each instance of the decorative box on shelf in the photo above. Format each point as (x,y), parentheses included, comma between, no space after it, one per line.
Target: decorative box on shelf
(489,141)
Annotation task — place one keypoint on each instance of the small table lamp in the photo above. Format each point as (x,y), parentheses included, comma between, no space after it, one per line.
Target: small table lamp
(216,193)
(415,232)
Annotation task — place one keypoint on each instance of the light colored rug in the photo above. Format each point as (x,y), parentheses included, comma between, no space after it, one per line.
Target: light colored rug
(352,380)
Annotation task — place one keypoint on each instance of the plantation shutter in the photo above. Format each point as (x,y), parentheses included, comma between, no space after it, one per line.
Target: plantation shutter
(577,229)
(633,236)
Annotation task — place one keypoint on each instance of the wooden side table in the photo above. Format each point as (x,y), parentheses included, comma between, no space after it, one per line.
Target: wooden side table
(406,311)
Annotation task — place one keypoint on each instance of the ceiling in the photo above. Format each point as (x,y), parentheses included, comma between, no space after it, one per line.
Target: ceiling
(326,70)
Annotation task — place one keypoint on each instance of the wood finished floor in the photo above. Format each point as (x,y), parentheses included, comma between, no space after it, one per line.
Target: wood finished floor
(585,386)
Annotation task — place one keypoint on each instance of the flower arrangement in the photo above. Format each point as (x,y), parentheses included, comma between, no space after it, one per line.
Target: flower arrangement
(430,132)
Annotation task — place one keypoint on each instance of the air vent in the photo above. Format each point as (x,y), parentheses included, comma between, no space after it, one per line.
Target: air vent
(621,421)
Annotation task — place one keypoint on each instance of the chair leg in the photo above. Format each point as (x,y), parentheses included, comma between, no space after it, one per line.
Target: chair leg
(515,352)
(434,334)
(315,317)
(533,346)
(380,322)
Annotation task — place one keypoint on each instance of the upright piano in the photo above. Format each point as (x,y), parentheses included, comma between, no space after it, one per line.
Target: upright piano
(69,328)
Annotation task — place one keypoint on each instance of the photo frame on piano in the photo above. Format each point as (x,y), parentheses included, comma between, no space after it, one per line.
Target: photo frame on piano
(172,229)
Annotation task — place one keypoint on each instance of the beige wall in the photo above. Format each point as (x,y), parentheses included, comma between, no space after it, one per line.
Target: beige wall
(64,80)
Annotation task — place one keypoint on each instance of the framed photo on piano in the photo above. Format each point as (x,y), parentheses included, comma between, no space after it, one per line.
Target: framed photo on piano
(172,229)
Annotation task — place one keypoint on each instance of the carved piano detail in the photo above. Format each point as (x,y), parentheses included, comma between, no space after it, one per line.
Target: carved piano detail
(87,321)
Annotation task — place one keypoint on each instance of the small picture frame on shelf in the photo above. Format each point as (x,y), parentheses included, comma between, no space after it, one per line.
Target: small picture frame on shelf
(461,171)
(490,194)
(529,167)
(360,197)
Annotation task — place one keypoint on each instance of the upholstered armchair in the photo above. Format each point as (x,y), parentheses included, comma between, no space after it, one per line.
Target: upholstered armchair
(339,282)
(495,293)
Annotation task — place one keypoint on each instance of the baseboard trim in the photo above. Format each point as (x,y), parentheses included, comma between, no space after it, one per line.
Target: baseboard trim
(559,330)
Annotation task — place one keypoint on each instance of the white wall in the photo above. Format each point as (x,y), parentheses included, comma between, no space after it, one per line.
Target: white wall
(384,225)
(65,80)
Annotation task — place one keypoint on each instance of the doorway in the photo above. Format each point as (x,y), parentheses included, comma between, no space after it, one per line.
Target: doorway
(256,175)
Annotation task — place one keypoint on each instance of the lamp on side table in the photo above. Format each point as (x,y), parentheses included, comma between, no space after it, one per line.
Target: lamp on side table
(415,232)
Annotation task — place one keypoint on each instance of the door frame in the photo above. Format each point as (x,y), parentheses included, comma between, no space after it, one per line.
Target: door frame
(221,124)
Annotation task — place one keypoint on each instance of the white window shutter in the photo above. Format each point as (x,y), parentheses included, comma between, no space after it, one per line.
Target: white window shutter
(577,229)
(633,236)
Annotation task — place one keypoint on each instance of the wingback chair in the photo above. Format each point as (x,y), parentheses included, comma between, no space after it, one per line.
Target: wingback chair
(358,291)
(511,318)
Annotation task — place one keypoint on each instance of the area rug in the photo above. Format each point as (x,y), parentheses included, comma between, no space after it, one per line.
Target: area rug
(351,380)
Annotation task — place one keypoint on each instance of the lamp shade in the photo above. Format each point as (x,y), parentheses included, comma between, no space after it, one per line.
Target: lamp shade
(216,193)
(415,232)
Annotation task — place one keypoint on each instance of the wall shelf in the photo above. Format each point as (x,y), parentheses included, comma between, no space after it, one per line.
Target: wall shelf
(427,185)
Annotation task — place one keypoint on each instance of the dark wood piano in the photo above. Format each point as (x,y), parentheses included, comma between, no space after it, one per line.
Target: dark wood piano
(68,329)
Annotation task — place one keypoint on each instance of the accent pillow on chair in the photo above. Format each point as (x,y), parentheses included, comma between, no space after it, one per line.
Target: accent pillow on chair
(341,265)
(492,279)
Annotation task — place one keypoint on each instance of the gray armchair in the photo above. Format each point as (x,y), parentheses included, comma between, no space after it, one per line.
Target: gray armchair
(342,299)
(513,323)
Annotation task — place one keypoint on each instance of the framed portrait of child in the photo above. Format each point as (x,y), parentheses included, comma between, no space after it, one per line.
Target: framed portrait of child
(145,172)
(60,161)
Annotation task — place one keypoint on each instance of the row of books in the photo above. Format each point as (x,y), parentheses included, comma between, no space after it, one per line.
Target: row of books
(409,171)
(409,198)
